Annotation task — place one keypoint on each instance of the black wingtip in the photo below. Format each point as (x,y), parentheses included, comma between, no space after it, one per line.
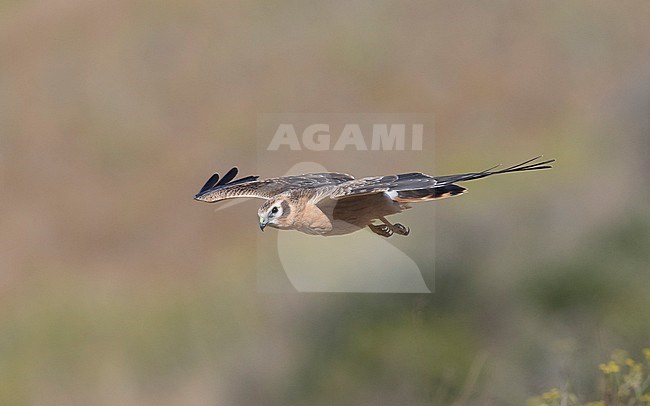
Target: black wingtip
(214,179)
(230,175)
(529,165)
(216,183)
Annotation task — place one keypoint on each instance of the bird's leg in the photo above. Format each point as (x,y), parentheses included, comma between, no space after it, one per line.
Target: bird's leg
(381,229)
(397,228)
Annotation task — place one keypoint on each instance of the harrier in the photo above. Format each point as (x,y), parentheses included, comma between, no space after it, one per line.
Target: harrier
(336,203)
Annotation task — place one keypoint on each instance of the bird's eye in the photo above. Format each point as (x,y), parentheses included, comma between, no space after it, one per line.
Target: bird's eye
(274,210)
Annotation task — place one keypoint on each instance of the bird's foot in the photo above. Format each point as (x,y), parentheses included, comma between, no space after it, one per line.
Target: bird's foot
(400,229)
(381,229)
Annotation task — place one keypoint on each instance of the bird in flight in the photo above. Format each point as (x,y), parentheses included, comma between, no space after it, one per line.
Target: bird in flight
(331,203)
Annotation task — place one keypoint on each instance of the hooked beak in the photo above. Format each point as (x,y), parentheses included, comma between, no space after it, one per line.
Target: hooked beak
(263,223)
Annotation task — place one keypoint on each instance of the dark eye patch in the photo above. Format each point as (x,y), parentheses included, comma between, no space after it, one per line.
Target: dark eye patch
(285,209)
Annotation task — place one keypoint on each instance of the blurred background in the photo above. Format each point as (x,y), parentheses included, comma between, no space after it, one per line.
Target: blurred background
(117,288)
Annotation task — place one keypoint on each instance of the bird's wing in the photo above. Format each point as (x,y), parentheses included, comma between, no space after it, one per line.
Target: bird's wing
(524,166)
(383,184)
(216,190)
(410,187)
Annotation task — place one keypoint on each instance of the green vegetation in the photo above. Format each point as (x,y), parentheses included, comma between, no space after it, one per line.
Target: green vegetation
(624,382)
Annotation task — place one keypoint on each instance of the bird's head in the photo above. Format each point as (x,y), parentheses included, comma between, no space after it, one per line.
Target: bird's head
(274,213)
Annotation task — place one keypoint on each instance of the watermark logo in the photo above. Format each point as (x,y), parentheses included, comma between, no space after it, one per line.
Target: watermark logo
(361,145)
(319,137)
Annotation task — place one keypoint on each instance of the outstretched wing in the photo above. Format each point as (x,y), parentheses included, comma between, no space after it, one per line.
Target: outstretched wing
(409,187)
(522,167)
(393,185)
(216,190)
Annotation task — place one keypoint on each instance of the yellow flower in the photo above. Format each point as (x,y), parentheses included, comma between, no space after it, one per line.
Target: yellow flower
(598,403)
(645,398)
(610,368)
(646,352)
(630,362)
(551,395)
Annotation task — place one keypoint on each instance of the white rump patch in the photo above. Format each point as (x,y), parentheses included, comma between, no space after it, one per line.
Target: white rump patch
(392,194)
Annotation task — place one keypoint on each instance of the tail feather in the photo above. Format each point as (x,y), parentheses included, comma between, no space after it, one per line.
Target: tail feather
(420,195)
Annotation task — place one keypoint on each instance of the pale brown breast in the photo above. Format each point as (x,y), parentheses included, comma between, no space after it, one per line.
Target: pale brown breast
(351,214)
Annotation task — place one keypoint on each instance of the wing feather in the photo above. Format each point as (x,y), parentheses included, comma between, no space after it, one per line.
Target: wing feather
(522,167)
(380,184)
(408,186)
(215,190)
(416,185)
